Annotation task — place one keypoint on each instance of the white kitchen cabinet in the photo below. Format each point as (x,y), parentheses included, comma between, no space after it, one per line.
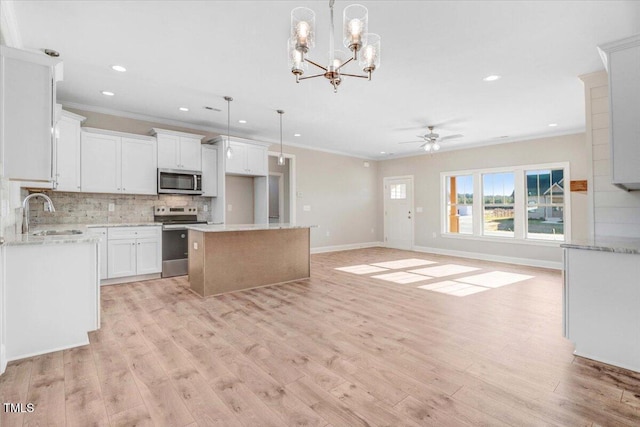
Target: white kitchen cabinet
(248,158)
(134,251)
(623,66)
(178,150)
(601,300)
(52,303)
(114,162)
(27,114)
(68,158)
(209,171)
(104,253)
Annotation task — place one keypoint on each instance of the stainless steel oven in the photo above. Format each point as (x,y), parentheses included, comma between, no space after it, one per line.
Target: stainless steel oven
(175,237)
(175,181)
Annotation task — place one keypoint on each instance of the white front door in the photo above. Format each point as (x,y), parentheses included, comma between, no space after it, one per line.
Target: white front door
(398,210)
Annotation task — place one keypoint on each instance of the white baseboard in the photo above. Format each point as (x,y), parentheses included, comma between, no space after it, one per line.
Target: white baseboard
(323,249)
(495,258)
(129,279)
(3,358)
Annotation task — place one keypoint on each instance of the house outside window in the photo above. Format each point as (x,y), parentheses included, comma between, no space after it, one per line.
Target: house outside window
(520,203)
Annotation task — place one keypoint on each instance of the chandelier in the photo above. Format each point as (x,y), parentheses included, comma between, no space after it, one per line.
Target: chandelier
(356,38)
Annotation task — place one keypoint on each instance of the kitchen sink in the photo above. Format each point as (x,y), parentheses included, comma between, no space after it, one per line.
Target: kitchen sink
(56,232)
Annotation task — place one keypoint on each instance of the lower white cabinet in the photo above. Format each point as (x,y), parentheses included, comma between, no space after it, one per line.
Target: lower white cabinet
(102,232)
(134,251)
(51,297)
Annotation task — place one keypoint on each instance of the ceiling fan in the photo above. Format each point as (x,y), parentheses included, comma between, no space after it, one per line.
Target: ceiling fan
(432,140)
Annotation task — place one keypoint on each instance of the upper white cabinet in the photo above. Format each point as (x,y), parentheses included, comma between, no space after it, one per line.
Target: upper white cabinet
(209,171)
(67,176)
(178,150)
(114,162)
(247,158)
(622,59)
(27,113)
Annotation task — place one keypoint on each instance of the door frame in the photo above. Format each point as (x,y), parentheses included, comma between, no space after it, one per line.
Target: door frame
(385,182)
(280,176)
(292,183)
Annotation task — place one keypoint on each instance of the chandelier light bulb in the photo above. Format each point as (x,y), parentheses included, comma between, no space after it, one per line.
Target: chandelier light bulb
(355,28)
(436,146)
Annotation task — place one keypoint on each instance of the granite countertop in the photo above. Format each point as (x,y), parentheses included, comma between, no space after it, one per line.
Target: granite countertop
(622,245)
(216,228)
(87,234)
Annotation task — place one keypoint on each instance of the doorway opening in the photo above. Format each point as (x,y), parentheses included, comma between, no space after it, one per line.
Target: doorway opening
(282,190)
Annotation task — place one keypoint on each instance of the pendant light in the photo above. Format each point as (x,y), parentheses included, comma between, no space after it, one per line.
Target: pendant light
(281,156)
(228,151)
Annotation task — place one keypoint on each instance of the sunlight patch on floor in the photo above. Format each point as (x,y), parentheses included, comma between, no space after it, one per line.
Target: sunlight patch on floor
(494,279)
(444,270)
(362,269)
(401,277)
(451,287)
(404,263)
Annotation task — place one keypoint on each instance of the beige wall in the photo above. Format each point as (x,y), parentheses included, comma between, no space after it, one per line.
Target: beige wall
(284,170)
(239,195)
(342,195)
(426,171)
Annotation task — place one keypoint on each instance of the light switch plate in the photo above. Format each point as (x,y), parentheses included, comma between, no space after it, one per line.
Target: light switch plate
(419,209)
(229,208)
(112,207)
(195,246)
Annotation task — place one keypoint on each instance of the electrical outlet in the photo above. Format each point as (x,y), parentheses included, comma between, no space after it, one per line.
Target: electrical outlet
(205,208)
(306,208)
(112,207)
(195,246)
(45,207)
(229,208)
(419,209)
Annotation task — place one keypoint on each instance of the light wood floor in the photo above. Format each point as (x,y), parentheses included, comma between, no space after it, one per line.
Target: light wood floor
(337,349)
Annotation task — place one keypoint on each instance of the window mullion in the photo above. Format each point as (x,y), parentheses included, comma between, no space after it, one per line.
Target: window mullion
(519,208)
(477,204)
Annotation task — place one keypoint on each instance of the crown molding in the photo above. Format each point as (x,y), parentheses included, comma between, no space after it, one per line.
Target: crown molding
(171,122)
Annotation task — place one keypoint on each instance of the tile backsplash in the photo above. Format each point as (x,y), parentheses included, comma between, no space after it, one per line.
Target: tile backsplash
(93,208)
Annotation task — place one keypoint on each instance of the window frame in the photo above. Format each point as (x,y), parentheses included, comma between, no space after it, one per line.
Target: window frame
(520,204)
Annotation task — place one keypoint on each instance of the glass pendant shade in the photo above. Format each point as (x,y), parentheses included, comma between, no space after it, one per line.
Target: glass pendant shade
(339,58)
(303,22)
(281,160)
(370,57)
(436,146)
(229,151)
(355,22)
(296,60)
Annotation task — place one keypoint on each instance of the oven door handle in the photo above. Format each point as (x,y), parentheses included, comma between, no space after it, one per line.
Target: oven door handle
(174,227)
(195,182)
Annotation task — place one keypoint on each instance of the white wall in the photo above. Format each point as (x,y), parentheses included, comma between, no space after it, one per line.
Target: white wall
(426,170)
(614,212)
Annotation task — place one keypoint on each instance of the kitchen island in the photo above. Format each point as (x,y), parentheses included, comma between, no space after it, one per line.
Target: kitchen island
(602,300)
(227,258)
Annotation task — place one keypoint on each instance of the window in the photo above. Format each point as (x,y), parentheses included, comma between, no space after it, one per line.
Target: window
(545,204)
(498,194)
(520,203)
(398,191)
(460,204)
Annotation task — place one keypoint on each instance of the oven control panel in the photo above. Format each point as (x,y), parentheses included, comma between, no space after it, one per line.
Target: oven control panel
(175,210)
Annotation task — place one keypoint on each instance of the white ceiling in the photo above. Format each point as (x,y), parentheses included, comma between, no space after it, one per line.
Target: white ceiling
(434,57)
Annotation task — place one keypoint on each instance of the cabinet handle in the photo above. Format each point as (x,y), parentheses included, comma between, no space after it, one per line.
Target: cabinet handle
(124,189)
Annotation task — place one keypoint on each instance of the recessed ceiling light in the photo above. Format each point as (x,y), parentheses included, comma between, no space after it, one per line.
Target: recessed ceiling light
(383,152)
(296,134)
(107,93)
(492,78)
(183,109)
(552,125)
(242,121)
(118,68)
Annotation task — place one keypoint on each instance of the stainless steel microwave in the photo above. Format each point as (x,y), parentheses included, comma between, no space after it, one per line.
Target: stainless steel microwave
(176,181)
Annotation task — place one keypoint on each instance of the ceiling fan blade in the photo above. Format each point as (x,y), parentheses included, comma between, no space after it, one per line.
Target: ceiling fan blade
(410,142)
(459,135)
(422,146)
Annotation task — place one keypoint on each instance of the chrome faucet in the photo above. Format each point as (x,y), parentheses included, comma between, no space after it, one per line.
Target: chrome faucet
(25,209)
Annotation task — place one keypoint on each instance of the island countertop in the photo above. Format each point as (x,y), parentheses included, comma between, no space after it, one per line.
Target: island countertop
(217,228)
(622,245)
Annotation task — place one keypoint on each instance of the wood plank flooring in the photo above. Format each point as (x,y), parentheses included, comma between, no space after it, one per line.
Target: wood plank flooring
(338,349)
